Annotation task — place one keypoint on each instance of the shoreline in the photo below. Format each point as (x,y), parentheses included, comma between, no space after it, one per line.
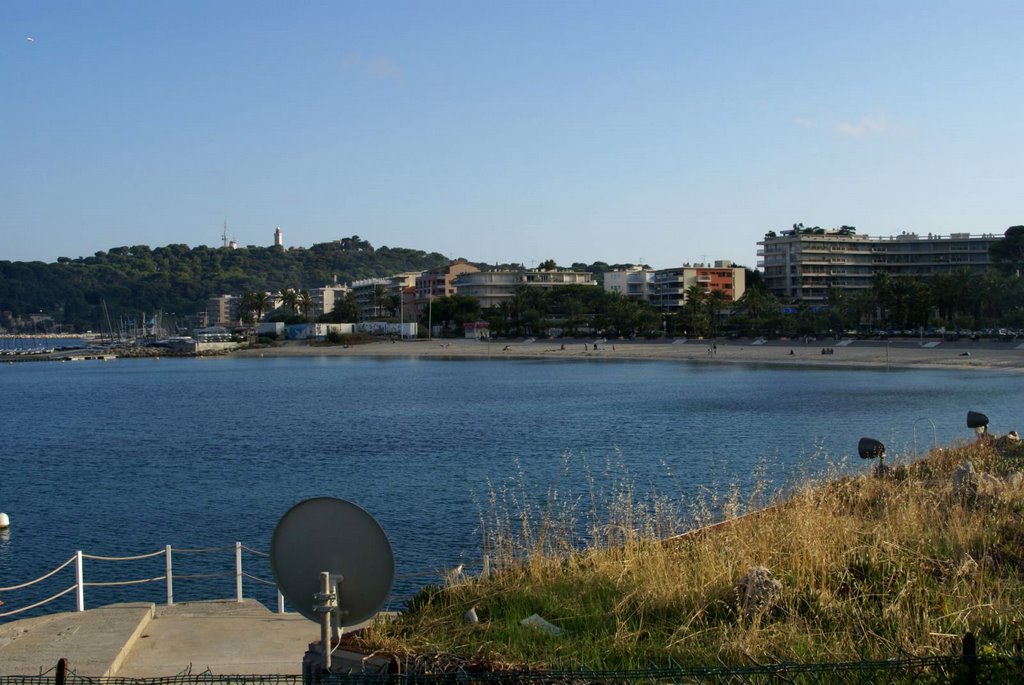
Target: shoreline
(994,356)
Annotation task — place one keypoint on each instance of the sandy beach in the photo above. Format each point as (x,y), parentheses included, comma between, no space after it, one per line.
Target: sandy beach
(982,355)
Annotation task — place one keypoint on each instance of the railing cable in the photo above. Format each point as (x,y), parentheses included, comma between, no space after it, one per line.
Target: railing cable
(255,551)
(33,582)
(115,583)
(39,603)
(132,558)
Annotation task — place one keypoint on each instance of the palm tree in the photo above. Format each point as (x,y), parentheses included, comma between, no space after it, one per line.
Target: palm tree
(252,307)
(881,289)
(694,303)
(304,301)
(715,302)
(259,303)
(247,307)
(290,300)
(381,299)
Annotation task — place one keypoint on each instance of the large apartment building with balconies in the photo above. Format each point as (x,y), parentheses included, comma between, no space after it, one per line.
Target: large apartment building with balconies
(669,288)
(666,289)
(803,264)
(492,288)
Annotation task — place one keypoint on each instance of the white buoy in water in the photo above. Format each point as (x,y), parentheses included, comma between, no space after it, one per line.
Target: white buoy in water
(5,522)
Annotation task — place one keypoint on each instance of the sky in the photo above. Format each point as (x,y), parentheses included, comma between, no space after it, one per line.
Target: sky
(627,132)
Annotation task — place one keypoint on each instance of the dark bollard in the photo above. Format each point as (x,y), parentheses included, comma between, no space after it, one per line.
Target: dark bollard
(62,671)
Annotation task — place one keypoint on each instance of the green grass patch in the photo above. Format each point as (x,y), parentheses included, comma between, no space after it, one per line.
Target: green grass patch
(868,568)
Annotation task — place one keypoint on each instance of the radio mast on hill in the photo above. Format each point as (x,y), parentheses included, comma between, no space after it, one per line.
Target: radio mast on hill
(224,237)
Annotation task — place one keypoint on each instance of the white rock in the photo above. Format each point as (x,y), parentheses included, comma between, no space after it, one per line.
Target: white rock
(535,621)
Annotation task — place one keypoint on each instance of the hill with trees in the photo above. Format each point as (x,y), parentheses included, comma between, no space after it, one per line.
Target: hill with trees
(178,279)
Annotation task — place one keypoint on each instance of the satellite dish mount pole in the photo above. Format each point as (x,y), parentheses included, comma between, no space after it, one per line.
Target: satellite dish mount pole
(326,605)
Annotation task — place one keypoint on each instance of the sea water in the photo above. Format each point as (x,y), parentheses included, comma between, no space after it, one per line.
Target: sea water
(124,457)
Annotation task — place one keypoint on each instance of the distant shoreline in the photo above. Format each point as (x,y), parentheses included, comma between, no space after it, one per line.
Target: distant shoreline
(861,354)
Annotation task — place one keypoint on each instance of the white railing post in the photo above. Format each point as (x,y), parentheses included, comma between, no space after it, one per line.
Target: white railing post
(280,602)
(79,583)
(170,577)
(238,571)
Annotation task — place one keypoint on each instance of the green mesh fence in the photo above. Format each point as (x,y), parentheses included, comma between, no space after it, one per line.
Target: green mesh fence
(969,670)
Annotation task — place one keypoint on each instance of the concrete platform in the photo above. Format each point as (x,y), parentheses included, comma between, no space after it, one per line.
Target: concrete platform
(143,640)
(94,642)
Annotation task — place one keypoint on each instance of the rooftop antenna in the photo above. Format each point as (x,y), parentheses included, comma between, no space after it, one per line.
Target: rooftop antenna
(332,561)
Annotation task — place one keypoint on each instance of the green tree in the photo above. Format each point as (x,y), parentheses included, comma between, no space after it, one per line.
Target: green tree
(345,310)
(715,303)
(694,310)
(381,300)
(304,301)
(290,300)
(452,312)
(1008,253)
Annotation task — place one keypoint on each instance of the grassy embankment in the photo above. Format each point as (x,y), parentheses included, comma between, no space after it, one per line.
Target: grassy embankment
(870,568)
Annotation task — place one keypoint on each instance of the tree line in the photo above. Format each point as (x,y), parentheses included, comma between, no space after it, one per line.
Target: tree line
(179,279)
(126,281)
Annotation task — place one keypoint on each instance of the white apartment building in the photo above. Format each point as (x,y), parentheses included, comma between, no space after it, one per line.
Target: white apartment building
(369,293)
(492,288)
(802,264)
(634,282)
(666,289)
(325,298)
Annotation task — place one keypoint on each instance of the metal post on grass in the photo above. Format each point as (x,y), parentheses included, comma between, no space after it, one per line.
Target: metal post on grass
(170,577)
(79,583)
(238,571)
(971,658)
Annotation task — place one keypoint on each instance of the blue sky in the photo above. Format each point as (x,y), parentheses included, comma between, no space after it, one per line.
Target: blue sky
(667,132)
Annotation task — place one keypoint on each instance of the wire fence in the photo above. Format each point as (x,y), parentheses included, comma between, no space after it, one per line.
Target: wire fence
(965,669)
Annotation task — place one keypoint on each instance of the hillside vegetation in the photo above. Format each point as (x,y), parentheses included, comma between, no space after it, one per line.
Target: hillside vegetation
(841,570)
(179,279)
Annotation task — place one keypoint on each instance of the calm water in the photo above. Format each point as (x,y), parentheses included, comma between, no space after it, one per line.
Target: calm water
(125,457)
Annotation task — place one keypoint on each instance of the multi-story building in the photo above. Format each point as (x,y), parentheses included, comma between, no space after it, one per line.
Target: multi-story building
(223,311)
(668,290)
(803,264)
(325,298)
(633,282)
(371,294)
(403,287)
(492,288)
(439,282)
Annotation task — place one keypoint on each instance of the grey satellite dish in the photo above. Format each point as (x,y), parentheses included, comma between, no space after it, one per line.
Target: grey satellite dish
(332,536)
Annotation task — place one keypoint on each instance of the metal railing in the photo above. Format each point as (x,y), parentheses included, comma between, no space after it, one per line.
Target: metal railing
(167,577)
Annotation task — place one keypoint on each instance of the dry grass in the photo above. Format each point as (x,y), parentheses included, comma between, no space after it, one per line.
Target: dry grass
(869,568)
